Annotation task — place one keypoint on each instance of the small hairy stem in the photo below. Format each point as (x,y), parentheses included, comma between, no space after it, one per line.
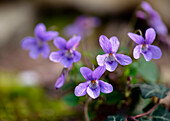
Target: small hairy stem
(147,113)
(86,109)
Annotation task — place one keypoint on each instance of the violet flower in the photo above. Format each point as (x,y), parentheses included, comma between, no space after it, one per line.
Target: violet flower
(67,53)
(83,26)
(93,85)
(111,59)
(153,18)
(37,45)
(149,51)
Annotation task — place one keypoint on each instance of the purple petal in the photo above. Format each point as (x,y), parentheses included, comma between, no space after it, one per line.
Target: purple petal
(123,59)
(60,43)
(159,26)
(86,72)
(101,59)
(39,30)
(66,62)
(136,38)
(150,35)
(73,41)
(93,93)
(147,55)
(81,89)
(98,72)
(156,51)
(77,56)
(146,6)
(56,56)
(28,42)
(115,43)
(105,44)
(141,15)
(46,50)
(111,66)
(47,36)
(34,52)
(136,52)
(105,87)
(60,81)
(40,33)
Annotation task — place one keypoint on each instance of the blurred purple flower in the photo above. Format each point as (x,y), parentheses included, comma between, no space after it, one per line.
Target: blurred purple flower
(83,26)
(38,44)
(111,59)
(153,19)
(67,53)
(93,85)
(149,51)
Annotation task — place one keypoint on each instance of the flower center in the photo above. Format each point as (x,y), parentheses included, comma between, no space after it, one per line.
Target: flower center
(110,58)
(93,84)
(144,48)
(69,54)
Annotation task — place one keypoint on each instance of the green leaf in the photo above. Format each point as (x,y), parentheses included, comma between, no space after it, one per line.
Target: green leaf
(148,70)
(110,98)
(149,91)
(71,99)
(116,118)
(68,85)
(161,114)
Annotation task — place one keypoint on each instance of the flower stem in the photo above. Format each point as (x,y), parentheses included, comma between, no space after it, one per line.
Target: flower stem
(147,113)
(86,109)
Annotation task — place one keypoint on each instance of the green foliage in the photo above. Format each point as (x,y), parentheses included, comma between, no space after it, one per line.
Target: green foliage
(114,97)
(161,114)
(148,70)
(116,118)
(18,103)
(149,91)
(71,99)
(141,105)
(69,85)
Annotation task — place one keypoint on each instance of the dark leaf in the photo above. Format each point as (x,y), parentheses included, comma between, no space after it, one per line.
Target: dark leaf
(113,97)
(149,91)
(161,114)
(116,118)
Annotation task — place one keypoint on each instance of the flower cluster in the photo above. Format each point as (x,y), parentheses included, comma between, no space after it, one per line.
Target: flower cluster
(67,55)
(110,60)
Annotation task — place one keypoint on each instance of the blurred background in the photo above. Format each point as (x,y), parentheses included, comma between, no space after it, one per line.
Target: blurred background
(27,86)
